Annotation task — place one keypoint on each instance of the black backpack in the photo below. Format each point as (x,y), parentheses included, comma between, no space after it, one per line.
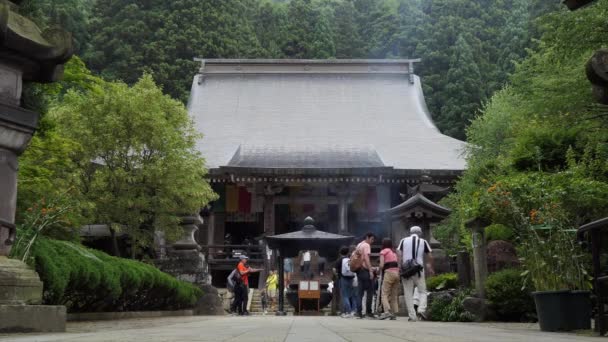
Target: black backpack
(411,267)
(234,279)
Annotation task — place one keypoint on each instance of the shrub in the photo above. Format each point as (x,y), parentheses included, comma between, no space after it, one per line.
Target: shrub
(86,280)
(506,293)
(445,310)
(499,232)
(442,281)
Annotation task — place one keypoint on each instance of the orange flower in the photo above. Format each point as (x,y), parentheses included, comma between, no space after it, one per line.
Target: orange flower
(534,216)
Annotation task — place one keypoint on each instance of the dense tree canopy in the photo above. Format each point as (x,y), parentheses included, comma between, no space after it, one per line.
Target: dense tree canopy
(137,147)
(538,156)
(112,154)
(121,39)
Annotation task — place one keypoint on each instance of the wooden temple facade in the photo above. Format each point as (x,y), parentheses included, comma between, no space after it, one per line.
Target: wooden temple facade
(343,141)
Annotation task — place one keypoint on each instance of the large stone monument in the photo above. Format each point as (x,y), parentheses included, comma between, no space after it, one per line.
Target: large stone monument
(26,54)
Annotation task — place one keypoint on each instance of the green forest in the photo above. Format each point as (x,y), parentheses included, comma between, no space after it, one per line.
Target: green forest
(507,76)
(468,48)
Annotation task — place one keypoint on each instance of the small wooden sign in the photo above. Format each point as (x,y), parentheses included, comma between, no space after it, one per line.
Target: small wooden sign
(309,290)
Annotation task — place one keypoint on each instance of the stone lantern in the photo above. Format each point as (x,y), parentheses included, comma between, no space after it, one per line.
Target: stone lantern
(26,54)
(477,227)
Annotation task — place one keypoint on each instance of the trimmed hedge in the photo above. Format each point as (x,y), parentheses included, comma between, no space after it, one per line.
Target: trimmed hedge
(506,293)
(86,280)
(442,282)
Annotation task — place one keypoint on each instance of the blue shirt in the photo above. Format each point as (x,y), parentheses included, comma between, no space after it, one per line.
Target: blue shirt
(288,265)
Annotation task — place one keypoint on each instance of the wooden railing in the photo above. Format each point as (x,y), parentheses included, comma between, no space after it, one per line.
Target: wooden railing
(254,252)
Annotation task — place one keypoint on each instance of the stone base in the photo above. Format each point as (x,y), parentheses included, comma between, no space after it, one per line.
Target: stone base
(32,318)
(211,303)
(186,265)
(19,284)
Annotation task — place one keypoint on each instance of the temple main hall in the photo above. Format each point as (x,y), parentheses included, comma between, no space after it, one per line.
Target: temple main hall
(350,143)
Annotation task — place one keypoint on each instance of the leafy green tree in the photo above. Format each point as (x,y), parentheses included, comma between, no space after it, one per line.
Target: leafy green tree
(537,159)
(346,31)
(163,37)
(323,44)
(301,28)
(384,32)
(411,20)
(463,90)
(143,169)
(270,25)
(48,170)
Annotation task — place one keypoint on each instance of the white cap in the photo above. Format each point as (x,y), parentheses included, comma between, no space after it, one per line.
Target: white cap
(416,230)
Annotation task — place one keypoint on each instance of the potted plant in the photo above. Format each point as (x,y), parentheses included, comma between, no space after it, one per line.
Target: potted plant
(556,266)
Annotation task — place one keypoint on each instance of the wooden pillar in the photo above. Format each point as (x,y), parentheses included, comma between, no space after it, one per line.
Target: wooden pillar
(269,224)
(343,214)
(211,228)
(281,258)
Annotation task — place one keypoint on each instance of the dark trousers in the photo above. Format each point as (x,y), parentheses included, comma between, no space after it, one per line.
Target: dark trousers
(237,303)
(365,287)
(306,270)
(321,262)
(245,298)
(241,297)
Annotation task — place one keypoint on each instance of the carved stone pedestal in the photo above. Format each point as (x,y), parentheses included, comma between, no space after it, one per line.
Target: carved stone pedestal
(184,259)
(19,284)
(20,290)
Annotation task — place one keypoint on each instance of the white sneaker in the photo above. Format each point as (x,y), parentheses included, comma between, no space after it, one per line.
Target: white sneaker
(344,315)
(385,315)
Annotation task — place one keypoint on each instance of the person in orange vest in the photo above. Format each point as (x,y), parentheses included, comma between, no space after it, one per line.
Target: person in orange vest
(244,270)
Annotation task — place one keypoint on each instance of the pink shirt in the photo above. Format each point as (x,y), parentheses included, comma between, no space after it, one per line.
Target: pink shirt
(389,256)
(365,249)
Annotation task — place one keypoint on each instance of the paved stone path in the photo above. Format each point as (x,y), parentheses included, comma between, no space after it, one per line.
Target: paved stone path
(294,329)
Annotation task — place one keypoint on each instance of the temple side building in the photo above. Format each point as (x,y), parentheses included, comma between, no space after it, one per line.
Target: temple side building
(342,141)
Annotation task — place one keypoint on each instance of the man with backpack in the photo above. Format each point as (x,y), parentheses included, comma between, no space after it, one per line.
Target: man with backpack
(241,292)
(346,279)
(413,251)
(360,263)
(234,283)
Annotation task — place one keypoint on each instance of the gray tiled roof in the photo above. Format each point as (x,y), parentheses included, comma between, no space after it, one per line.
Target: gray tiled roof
(281,112)
(306,157)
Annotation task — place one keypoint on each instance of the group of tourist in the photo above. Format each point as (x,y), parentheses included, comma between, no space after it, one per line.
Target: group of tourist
(402,265)
(357,278)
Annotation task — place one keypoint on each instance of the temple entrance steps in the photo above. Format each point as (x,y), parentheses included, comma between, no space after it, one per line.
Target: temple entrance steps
(298,275)
(255,307)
